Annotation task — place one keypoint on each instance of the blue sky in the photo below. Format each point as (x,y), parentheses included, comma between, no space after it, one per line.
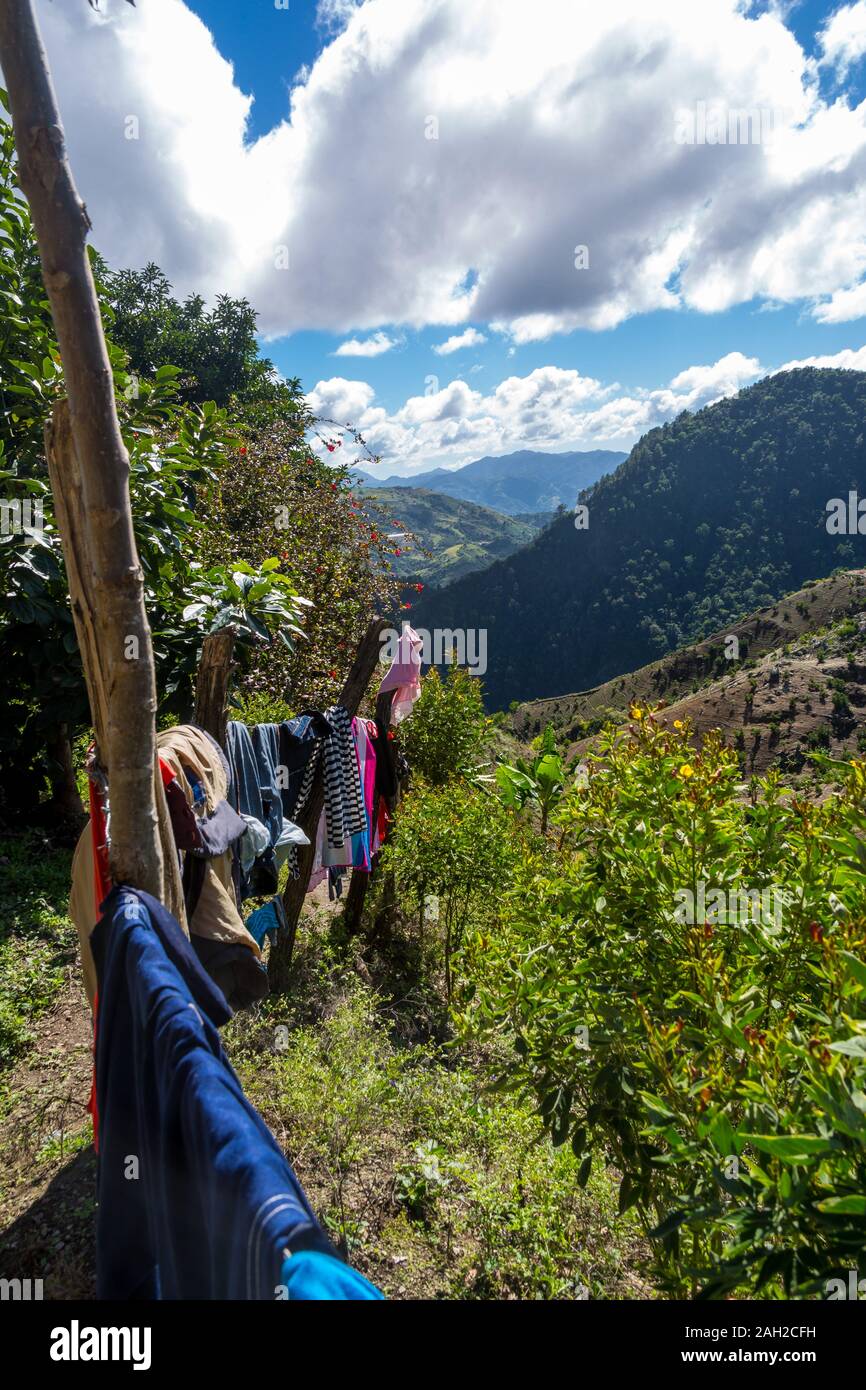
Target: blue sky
(302,131)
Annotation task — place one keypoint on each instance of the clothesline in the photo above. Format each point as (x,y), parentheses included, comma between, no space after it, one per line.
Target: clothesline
(218,1212)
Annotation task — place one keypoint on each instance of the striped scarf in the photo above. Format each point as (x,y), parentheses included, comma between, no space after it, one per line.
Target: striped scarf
(344,800)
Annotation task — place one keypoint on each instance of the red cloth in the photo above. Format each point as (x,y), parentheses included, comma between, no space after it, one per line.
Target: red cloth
(102,888)
(101,875)
(91,1104)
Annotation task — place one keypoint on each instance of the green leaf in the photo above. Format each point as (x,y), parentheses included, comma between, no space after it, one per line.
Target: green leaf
(856,966)
(791,1148)
(853,1205)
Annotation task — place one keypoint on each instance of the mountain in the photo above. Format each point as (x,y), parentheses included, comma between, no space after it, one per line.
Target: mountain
(452,537)
(712,516)
(798,683)
(526,481)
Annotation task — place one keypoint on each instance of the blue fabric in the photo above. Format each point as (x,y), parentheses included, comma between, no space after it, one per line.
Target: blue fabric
(251,794)
(214,1205)
(245,792)
(266,743)
(312,1275)
(270,918)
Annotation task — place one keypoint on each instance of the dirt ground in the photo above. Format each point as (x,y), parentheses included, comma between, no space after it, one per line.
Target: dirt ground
(48,1184)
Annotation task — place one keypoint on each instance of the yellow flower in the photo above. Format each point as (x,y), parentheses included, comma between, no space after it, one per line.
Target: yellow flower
(687,770)
(678,723)
(636,712)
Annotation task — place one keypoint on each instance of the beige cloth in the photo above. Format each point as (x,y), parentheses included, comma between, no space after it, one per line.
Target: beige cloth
(184,743)
(216,916)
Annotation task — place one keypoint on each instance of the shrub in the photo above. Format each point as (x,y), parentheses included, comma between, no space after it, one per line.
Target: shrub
(454,843)
(445,737)
(717,1057)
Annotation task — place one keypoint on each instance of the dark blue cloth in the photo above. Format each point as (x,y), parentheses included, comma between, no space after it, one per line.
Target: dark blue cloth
(253,793)
(196,1199)
(297,742)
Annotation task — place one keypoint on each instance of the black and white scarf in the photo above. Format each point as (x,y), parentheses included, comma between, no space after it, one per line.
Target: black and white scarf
(344,801)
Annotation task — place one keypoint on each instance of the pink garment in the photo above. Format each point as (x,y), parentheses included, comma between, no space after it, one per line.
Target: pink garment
(362,845)
(404,677)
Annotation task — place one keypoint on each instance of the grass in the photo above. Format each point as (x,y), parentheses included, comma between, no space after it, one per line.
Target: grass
(36,937)
(432,1184)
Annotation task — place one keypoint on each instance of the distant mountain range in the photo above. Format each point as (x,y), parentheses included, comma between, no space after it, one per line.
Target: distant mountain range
(526,481)
(711,517)
(452,537)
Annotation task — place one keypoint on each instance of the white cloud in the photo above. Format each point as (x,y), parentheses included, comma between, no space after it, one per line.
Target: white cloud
(723,378)
(843,306)
(469,338)
(332,15)
(551,134)
(843,38)
(368,347)
(341,400)
(551,408)
(852,358)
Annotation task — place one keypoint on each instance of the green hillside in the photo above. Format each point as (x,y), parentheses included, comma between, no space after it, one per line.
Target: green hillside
(452,538)
(792,682)
(711,517)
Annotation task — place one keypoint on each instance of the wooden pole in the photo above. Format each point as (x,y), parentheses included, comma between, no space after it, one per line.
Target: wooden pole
(280,959)
(212,683)
(116,651)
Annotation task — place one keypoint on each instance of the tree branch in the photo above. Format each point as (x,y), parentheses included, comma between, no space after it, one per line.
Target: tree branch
(118,645)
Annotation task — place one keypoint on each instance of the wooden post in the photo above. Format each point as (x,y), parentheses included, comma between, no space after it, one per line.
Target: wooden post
(212,683)
(280,959)
(116,648)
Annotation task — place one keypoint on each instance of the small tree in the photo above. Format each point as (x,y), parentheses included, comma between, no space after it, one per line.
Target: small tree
(445,737)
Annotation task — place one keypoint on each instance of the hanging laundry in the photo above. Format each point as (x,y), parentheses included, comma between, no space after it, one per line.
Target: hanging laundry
(245,790)
(184,825)
(221,940)
(404,676)
(254,841)
(267,920)
(217,831)
(215,1209)
(298,742)
(253,793)
(344,805)
(266,744)
(194,768)
(335,753)
(311,1275)
(291,838)
(363,846)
